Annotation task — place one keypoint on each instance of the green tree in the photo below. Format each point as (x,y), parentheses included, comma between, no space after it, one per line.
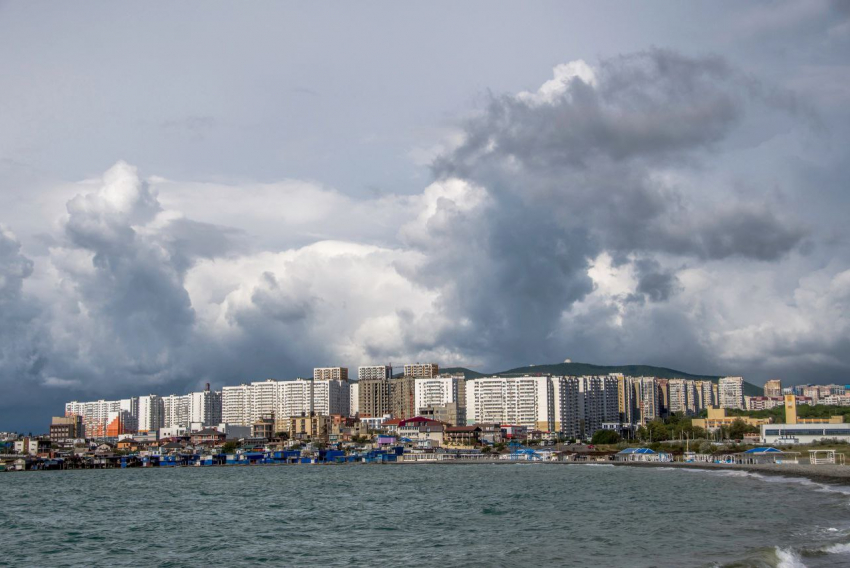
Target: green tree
(229,447)
(605,437)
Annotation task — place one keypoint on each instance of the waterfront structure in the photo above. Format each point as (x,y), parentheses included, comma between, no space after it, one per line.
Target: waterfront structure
(525,401)
(374,372)
(421,370)
(330,374)
(151,413)
(805,433)
(773,388)
(731,392)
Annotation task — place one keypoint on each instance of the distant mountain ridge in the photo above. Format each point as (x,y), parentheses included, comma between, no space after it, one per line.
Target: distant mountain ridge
(580,369)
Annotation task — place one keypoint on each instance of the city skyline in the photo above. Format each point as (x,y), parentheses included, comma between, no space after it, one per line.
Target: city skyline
(275,186)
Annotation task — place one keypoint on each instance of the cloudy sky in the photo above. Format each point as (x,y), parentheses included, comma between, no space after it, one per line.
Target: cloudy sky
(206,192)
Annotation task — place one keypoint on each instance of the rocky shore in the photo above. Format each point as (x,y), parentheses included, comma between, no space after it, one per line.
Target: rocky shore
(833,474)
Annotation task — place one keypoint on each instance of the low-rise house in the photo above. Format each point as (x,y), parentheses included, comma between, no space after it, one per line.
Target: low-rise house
(207,437)
(462,435)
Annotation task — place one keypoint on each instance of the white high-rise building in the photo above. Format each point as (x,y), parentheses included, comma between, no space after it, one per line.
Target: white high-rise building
(730,391)
(439,391)
(681,399)
(295,398)
(368,372)
(151,413)
(265,398)
(205,407)
(520,401)
(175,411)
(354,399)
(331,396)
(236,405)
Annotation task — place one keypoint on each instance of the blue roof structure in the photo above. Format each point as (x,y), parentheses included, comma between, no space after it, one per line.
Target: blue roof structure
(637,451)
(763,451)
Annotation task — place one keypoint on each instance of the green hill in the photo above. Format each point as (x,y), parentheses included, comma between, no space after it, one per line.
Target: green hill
(580,369)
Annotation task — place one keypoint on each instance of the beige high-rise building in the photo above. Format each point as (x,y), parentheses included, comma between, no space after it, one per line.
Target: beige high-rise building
(330,374)
(374,397)
(773,387)
(421,370)
(403,397)
(367,372)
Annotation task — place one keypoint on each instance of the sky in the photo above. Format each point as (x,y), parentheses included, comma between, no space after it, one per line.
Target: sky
(221,192)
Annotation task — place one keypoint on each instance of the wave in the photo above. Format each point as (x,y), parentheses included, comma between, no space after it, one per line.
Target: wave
(788,558)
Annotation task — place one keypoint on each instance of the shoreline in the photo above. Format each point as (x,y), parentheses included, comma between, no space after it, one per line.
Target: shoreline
(825,473)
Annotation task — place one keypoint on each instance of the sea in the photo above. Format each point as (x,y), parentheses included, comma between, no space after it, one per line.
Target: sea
(519,514)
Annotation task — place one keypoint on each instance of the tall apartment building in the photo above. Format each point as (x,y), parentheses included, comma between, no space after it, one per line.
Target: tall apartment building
(354,398)
(521,401)
(646,391)
(421,370)
(330,374)
(175,410)
(374,372)
(682,396)
(331,396)
(731,392)
(96,414)
(627,402)
(403,397)
(295,398)
(151,413)
(565,407)
(236,405)
(705,394)
(441,390)
(205,407)
(598,402)
(374,397)
(773,388)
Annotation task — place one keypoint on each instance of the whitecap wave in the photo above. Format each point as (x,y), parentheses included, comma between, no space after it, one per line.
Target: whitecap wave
(840,548)
(787,558)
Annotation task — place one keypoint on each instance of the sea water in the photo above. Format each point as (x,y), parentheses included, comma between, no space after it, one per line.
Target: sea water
(424,514)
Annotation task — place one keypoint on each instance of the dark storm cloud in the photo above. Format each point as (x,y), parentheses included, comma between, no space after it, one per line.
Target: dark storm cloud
(580,170)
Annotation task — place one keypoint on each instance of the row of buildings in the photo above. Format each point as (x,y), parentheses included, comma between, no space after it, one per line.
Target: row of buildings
(575,407)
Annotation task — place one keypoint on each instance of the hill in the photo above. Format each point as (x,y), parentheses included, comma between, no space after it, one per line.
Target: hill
(580,369)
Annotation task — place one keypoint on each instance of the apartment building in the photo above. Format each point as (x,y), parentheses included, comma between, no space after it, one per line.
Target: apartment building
(731,392)
(647,394)
(236,405)
(151,413)
(598,402)
(330,374)
(95,415)
(521,401)
(565,407)
(374,397)
(331,396)
(705,394)
(421,370)
(205,407)
(773,388)
(627,402)
(403,397)
(440,390)
(682,396)
(175,411)
(374,372)
(353,398)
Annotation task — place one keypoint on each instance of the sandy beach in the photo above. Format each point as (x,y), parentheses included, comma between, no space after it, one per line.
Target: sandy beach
(835,474)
